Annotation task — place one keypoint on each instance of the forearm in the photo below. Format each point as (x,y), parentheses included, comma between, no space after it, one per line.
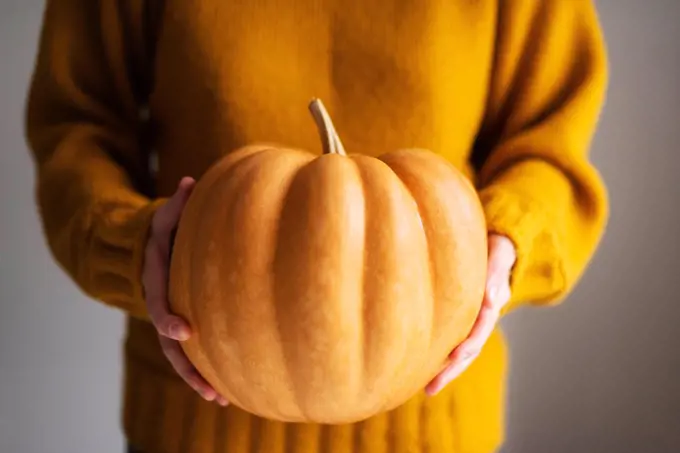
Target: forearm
(537,183)
(94,219)
(82,131)
(554,223)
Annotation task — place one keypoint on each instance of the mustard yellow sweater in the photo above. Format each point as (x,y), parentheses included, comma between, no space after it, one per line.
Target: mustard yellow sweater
(128,96)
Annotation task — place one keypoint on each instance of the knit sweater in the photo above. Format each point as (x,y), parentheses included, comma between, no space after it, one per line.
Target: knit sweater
(129,96)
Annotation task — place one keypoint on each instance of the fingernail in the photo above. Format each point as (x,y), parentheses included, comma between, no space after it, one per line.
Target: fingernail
(432,390)
(178,332)
(200,391)
(440,385)
(209,395)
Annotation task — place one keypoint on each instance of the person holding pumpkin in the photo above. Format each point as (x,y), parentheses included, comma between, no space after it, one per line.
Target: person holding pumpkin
(508,92)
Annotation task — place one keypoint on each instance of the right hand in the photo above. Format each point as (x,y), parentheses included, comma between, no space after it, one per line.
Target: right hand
(171,329)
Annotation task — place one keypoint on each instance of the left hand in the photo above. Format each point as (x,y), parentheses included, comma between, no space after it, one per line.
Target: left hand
(171,329)
(502,258)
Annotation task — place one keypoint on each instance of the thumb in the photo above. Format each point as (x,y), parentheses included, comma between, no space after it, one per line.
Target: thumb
(502,254)
(502,257)
(168,215)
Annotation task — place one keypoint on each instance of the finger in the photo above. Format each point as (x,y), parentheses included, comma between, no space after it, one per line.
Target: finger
(168,215)
(480,333)
(179,361)
(179,199)
(502,254)
(156,266)
(467,351)
(497,293)
(155,278)
(501,261)
(451,372)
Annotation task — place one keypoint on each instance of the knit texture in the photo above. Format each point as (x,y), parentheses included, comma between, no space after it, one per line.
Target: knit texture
(510,92)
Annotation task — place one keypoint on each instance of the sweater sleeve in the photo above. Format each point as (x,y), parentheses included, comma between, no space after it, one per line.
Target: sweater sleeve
(83,130)
(537,184)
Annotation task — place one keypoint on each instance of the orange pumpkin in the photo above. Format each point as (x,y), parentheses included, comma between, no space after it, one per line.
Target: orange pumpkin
(327,288)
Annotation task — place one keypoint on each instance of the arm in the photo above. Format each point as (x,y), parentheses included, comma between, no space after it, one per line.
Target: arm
(545,204)
(536,183)
(90,79)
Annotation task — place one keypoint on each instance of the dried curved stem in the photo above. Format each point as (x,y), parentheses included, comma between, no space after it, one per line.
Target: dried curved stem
(329,136)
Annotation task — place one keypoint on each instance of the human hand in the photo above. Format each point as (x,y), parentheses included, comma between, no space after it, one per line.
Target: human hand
(171,329)
(502,258)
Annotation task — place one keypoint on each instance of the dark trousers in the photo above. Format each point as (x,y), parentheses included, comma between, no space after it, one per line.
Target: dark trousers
(131,449)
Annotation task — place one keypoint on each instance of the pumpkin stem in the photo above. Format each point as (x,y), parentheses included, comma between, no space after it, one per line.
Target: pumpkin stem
(329,136)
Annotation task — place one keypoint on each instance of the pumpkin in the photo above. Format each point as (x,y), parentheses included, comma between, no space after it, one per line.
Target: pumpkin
(327,288)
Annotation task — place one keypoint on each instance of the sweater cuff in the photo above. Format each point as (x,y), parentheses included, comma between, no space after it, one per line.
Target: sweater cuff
(536,272)
(117,257)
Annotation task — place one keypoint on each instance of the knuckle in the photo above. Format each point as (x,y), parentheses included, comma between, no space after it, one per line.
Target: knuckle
(164,325)
(470,353)
(165,330)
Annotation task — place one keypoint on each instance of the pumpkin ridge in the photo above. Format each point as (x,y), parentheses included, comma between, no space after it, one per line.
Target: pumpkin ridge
(219,195)
(428,239)
(209,187)
(366,171)
(206,184)
(288,354)
(364,307)
(388,201)
(285,174)
(185,253)
(201,343)
(278,331)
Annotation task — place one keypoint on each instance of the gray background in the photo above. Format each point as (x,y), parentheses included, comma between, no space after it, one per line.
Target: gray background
(601,373)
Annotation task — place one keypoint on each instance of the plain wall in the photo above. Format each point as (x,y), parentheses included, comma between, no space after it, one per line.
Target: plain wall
(601,373)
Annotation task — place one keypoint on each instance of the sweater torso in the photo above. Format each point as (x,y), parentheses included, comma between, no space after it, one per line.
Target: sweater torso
(392,74)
